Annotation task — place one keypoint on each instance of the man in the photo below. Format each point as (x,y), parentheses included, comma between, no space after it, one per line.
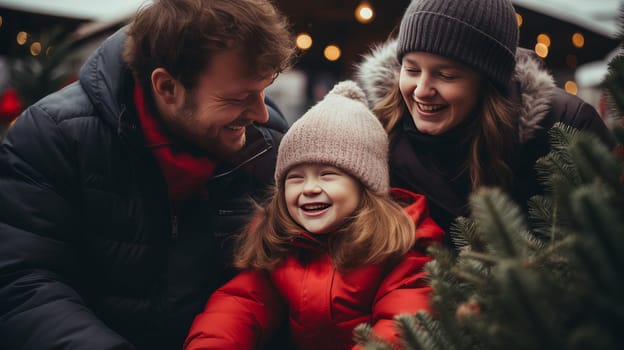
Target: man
(118,193)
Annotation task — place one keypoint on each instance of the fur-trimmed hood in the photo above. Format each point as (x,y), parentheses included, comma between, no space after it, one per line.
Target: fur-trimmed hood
(379,70)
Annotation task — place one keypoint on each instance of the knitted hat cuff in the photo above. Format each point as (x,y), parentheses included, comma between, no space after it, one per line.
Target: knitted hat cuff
(368,170)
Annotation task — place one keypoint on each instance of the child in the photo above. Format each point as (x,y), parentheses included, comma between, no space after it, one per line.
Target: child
(331,249)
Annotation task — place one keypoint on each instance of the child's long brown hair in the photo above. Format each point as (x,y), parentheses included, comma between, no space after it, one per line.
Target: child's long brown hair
(379,231)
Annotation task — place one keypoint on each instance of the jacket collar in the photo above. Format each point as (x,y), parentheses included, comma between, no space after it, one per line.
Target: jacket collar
(108,81)
(415,206)
(532,85)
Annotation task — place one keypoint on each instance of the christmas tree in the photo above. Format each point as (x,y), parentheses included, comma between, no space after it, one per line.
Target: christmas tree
(549,279)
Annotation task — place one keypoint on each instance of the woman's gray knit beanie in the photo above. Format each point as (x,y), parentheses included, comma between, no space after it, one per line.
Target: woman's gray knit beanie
(482,34)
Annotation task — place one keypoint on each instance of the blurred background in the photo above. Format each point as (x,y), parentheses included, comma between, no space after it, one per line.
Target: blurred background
(43,42)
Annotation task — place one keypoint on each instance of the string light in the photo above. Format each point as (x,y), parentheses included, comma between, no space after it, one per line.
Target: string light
(35,48)
(304,41)
(364,12)
(578,40)
(541,50)
(21,38)
(544,39)
(332,52)
(571,87)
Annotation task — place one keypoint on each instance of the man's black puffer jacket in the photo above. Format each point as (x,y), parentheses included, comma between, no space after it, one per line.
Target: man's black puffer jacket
(91,254)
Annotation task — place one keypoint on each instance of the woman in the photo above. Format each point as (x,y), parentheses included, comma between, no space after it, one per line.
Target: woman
(464,106)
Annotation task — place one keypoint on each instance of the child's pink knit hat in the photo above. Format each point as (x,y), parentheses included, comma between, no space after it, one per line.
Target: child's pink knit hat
(340,131)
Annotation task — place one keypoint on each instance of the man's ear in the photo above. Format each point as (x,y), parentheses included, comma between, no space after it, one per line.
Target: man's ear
(167,90)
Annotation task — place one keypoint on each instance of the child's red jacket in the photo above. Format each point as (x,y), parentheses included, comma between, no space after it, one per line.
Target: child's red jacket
(323,305)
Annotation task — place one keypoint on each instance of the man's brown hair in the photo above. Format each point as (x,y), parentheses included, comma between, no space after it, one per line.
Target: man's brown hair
(182,36)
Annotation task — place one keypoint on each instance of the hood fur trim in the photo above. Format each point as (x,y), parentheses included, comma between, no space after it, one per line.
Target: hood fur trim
(537,88)
(378,73)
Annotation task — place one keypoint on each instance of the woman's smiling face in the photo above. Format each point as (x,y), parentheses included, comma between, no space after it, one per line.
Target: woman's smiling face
(439,93)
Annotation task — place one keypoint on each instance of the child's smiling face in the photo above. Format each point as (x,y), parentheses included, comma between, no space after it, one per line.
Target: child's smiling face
(320,197)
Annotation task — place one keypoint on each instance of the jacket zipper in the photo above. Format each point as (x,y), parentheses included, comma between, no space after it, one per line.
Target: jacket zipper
(174,226)
(258,154)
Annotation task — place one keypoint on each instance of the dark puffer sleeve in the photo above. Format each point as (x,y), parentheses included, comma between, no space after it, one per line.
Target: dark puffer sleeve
(40,307)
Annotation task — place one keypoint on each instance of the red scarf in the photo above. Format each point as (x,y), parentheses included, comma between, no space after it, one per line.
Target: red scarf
(186,174)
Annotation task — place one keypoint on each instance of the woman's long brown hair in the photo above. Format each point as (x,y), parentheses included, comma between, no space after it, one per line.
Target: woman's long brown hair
(491,140)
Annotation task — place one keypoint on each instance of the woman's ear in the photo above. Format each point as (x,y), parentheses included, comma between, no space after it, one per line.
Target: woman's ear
(167,90)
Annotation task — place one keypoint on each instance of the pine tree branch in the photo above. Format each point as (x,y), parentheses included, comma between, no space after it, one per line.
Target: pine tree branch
(594,161)
(547,254)
(498,221)
(596,216)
